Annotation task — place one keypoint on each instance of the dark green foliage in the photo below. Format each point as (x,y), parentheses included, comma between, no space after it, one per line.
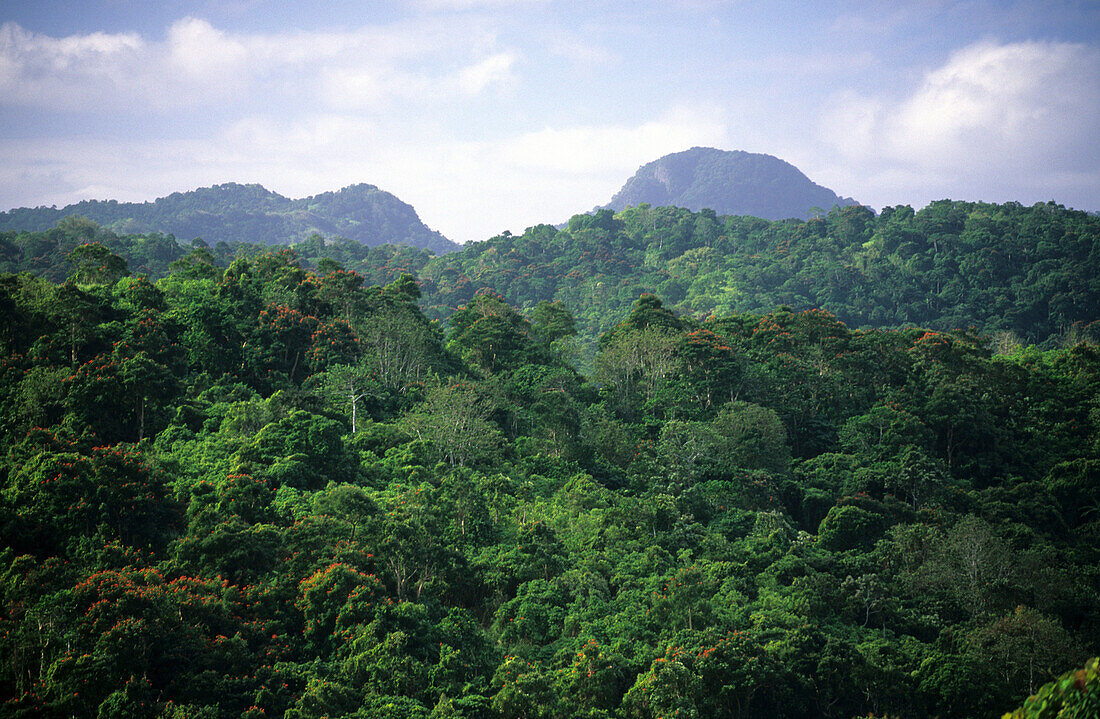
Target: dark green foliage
(1020,274)
(251,489)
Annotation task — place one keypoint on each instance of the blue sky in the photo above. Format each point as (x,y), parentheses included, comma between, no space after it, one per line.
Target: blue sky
(492,115)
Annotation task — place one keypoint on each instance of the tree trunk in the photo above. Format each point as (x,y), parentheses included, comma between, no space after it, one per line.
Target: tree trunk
(141,418)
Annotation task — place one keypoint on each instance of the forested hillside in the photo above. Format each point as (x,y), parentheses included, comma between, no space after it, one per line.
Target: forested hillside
(1029,274)
(250,214)
(261,490)
(1019,275)
(47,254)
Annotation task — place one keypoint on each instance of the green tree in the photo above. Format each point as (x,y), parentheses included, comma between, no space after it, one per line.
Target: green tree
(454,420)
(753,437)
(634,368)
(489,334)
(551,321)
(1025,648)
(333,600)
(94,264)
(399,346)
(1073,695)
(973,565)
(350,384)
(669,688)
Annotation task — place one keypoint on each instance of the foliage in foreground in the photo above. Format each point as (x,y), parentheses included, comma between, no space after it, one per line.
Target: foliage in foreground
(263,491)
(1074,695)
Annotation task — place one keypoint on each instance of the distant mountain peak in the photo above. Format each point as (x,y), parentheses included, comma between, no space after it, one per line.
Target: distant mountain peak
(236,212)
(730,182)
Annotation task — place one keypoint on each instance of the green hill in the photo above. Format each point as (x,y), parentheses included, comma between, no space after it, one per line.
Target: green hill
(728,182)
(1029,274)
(251,214)
(1016,274)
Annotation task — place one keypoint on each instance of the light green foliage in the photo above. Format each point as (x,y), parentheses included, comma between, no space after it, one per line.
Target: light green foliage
(453,420)
(1073,695)
(753,438)
(635,369)
(95,264)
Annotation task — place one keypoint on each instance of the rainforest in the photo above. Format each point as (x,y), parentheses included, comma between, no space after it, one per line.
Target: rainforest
(650,463)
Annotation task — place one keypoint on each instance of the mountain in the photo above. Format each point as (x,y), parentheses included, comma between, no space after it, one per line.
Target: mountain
(730,182)
(251,213)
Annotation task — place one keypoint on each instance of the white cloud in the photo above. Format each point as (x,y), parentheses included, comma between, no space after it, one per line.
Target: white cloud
(364,87)
(469,190)
(203,52)
(1005,104)
(199,65)
(375,86)
(604,149)
(1021,117)
(497,68)
(63,52)
(64,72)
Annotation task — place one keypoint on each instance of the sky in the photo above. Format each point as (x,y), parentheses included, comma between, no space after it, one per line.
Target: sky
(494,115)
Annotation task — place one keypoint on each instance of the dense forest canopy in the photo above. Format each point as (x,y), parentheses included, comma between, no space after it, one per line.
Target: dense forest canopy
(47,254)
(1027,274)
(264,483)
(1020,275)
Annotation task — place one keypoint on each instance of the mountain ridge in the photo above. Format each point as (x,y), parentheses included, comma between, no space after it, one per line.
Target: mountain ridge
(235,212)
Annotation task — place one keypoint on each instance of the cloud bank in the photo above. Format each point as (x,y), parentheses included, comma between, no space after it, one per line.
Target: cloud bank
(198,65)
(1023,113)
